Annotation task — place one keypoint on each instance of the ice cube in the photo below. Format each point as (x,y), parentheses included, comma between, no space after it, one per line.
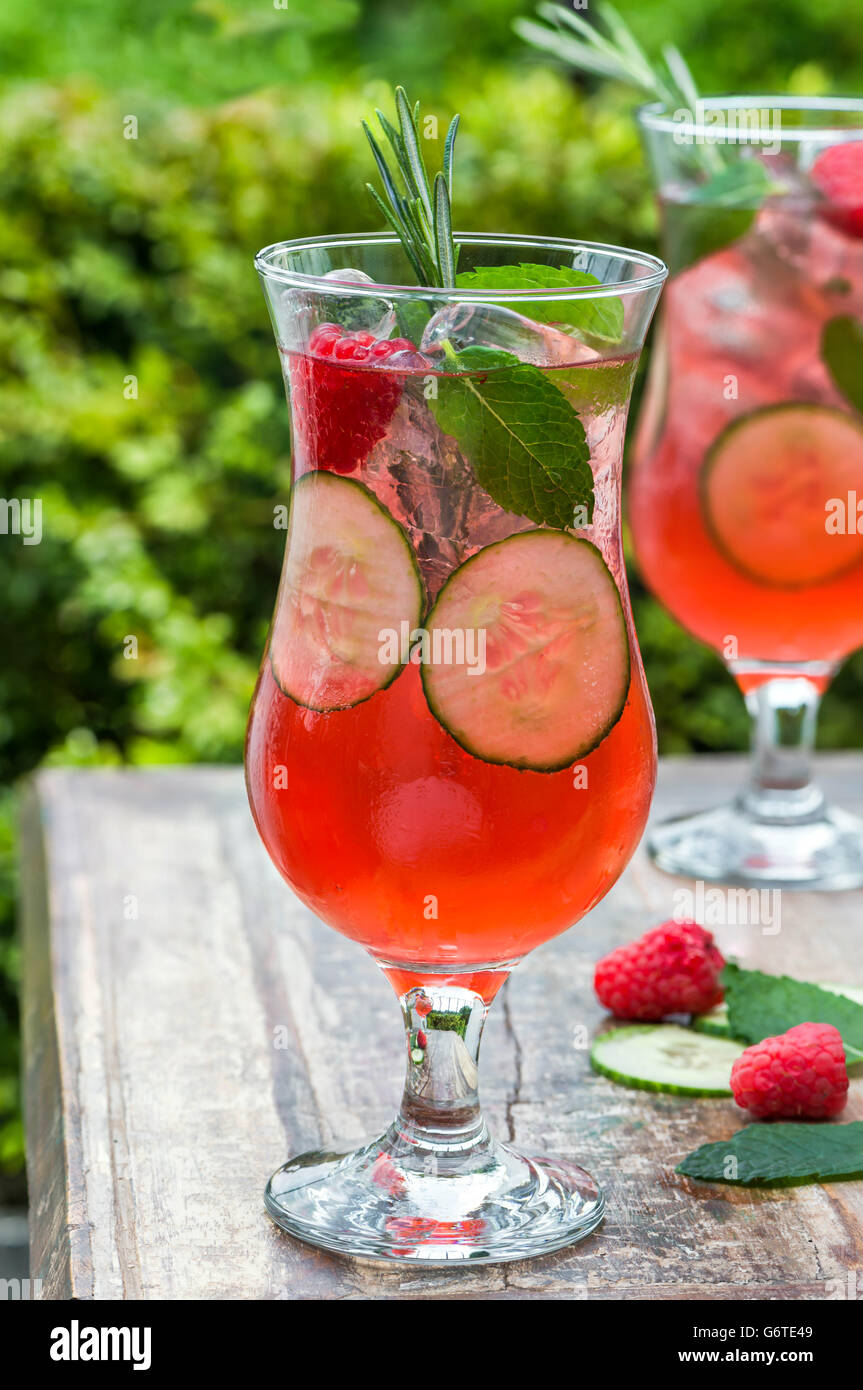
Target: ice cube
(725,307)
(405,360)
(423,479)
(353,277)
(816,254)
(494,326)
(375,314)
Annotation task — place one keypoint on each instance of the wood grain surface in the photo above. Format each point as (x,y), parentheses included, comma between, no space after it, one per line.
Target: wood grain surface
(188,1024)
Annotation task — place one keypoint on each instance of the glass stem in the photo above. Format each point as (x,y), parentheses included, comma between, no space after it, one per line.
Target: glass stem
(784,712)
(440,1110)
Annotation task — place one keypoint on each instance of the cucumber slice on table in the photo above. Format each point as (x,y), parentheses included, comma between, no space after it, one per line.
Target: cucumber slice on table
(854,992)
(349,573)
(715,1021)
(557,666)
(765,485)
(665,1057)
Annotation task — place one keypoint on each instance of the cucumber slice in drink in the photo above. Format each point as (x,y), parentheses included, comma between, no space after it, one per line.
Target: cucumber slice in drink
(350,574)
(715,1021)
(765,488)
(665,1057)
(554,675)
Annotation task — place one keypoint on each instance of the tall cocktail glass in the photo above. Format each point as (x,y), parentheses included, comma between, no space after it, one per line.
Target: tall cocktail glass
(451,750)
(749,454)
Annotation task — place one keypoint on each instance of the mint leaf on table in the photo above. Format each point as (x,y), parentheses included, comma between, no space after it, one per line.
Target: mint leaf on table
(768,1154)
(524,441)
(762,1006)
(842,354)
(600,319)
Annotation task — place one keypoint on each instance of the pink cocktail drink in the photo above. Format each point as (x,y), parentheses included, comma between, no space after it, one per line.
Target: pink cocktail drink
(750,457)
(747,487)
(395,822)
(451,751)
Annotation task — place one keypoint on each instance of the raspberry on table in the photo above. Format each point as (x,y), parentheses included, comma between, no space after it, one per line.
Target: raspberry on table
(673,969)
(801,1072)
(340,415)
(838,174)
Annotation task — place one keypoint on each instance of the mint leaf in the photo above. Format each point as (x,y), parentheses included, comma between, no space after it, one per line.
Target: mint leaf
(412,315)
(601,319)
(842,354)
(744,184)
(716,213)
(477,358)
(524,441)
(762,1006)
(777,1153)
(696,232)
(598,387)
(837,284)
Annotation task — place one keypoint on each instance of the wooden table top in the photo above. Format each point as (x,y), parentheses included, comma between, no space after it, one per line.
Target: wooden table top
(185,1030)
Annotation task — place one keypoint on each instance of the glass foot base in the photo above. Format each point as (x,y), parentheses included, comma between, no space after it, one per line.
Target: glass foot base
(487,1207)
(731,845)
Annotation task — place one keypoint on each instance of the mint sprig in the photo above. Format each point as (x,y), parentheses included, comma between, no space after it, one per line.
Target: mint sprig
(763,1006)
(842,354)
(524,441)
(597,319)
(778,1153)
(419,212)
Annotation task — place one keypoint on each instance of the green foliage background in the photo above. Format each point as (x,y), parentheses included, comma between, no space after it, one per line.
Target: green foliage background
(124,257)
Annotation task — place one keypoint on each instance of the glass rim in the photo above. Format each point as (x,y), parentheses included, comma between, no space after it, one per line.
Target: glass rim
(658,115)
(656,270)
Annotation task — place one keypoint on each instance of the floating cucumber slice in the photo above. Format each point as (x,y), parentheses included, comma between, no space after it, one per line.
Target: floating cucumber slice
(350,573)
(556,671)
(715,1021)
(765,487)
(665,1057)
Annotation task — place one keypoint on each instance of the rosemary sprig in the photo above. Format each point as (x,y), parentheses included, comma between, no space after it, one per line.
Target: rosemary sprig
(729,190)
(616,53)
(420,215)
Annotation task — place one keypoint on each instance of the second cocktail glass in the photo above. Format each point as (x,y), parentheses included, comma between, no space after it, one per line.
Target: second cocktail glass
(749,457)
(451,751)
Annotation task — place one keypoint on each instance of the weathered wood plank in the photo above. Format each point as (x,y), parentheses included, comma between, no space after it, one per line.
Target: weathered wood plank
(49,1113)
(188,1023)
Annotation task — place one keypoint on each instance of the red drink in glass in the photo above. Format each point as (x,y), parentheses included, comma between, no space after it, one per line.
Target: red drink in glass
(748,477)
(382,809)
(451,751)
(742,332)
